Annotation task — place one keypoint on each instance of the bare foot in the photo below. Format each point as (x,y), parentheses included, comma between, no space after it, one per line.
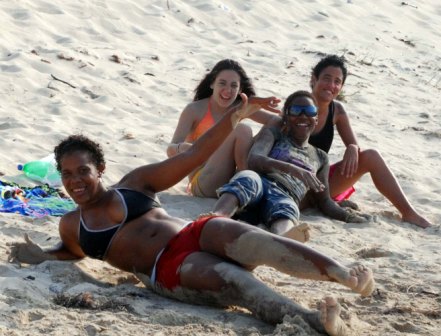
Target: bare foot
(330,317)
(417,219)
(361,280)
(349,204)
(300,233)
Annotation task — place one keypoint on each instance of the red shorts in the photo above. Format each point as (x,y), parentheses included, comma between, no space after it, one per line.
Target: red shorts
(345,194)
(178,248)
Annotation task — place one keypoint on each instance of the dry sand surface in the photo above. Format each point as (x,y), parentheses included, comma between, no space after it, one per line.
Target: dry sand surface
(122,71)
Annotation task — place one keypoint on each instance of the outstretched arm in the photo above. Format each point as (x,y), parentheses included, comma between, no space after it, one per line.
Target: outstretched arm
(265,117)
(162,175)
(30,253)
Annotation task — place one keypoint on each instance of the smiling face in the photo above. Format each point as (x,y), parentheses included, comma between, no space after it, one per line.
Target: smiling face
(226,88)
(300,127)
(80,176)
(328,85)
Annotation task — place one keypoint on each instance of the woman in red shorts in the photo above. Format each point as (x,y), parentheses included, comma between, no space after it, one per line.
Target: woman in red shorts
(207,261)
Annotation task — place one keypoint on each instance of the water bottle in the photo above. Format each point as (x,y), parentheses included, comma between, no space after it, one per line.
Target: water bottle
(43,170)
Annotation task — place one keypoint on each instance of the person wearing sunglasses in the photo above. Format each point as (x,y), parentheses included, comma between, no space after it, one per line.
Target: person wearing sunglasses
(327,79)
(283,167)
(206,261)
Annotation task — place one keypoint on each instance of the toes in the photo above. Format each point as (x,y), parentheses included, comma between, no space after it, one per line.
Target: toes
(365,282)
(331,302)
(330,318)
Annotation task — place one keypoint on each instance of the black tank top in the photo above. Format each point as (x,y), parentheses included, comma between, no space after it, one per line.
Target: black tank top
(324,138)
(95,243)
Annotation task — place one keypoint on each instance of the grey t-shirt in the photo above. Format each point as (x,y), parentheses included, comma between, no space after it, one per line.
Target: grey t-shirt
(309,158)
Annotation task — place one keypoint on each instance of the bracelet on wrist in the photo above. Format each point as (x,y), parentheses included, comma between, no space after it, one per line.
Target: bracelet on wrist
(177,149)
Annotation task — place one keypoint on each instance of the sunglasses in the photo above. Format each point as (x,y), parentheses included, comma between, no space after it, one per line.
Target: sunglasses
(296,110)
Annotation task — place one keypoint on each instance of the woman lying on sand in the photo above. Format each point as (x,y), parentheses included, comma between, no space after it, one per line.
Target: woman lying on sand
(207,261)
(216,93)
(327,79)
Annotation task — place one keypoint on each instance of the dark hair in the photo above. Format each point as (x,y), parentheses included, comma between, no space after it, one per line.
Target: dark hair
(331,60)
(203,90)
(290,99)
(292,96)
(78,142)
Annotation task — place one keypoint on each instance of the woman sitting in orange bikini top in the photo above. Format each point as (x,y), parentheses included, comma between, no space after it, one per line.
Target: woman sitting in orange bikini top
(217,92)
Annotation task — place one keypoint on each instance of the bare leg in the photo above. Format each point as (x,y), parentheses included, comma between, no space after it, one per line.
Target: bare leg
(232,155)
(287,228)
(370,161)
(251,247)
(225,284)
(226,205)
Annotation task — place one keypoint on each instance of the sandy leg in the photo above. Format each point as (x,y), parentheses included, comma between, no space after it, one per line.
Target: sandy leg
(330,317)
(300,233)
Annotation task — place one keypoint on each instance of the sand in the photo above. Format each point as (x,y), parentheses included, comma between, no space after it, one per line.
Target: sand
(122,71)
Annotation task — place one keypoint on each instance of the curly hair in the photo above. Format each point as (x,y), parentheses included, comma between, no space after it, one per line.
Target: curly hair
(203,90)
(79,142)
(331,60)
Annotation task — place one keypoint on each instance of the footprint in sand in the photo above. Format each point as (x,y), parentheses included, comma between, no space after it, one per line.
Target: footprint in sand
(373,252)
(406,327)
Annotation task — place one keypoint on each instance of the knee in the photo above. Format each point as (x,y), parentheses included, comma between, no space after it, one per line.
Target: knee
(370,153)
(247,175)
(246,185)
(243,134)
(370,157)
(243,131)
(251,181)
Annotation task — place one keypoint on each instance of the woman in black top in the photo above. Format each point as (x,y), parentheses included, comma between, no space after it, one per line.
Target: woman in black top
(327,80)
(208,261)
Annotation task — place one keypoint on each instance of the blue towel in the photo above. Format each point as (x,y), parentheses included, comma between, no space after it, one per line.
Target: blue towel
(36,201)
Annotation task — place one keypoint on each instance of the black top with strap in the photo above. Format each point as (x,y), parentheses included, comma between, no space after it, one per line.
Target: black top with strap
(95,243)
(324,138)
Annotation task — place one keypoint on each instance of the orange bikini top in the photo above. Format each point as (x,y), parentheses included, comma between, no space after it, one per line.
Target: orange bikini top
(203,126)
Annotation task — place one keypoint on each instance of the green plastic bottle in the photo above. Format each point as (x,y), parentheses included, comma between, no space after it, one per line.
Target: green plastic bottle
(43,170)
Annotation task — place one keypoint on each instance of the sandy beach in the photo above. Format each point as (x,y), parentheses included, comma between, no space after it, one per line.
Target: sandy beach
(122,71)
